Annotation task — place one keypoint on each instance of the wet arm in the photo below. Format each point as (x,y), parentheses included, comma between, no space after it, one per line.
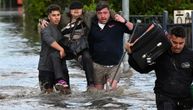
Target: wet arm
(121,19)
(56,46)
(46,36)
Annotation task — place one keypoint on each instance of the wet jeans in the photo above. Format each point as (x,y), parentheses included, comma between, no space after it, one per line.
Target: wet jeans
(167,103)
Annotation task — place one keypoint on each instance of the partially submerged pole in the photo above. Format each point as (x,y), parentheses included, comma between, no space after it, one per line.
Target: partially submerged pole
(125,10)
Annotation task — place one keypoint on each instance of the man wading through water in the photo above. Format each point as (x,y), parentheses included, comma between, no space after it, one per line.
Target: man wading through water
(50,73)
(174,73)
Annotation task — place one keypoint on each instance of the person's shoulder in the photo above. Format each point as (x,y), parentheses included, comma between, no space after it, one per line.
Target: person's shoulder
(191,52)
(188,52)
(47,28)
(64,19)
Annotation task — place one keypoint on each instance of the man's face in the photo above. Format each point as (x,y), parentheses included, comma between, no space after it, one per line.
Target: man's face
(103,15)
(54,17)
(76,13)
(178,43)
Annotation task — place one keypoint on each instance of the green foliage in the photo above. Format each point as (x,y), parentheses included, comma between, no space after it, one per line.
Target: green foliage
(35,9)
(91,6)
(115,5)
(153,7)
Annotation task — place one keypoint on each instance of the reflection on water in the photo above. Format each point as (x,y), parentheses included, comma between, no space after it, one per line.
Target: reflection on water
(19,84)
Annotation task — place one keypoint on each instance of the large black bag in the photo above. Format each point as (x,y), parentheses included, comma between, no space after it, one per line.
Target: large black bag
(78,45)
(149,43)
(74,46)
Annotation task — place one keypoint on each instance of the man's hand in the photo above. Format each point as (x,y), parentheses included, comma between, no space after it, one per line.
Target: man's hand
(43,23)
(128,47)
(62,53)
(119,18)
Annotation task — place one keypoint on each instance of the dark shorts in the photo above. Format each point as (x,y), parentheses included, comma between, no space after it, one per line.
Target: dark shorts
(46,79)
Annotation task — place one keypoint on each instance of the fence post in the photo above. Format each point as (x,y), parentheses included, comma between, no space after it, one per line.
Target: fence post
(165,20)
(125,8)
(192,29)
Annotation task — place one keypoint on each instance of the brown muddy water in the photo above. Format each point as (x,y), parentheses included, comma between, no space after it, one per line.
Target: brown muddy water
(19,88)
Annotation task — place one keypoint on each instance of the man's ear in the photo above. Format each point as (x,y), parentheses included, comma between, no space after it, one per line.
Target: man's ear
(48,17)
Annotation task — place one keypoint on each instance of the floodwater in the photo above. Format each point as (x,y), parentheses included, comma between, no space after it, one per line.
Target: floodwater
(19,88)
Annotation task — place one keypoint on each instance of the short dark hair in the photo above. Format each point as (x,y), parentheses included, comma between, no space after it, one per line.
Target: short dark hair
(178,31)
(101,5)
(53,7)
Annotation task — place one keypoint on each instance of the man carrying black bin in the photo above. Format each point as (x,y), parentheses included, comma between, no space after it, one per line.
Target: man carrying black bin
(174,73)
